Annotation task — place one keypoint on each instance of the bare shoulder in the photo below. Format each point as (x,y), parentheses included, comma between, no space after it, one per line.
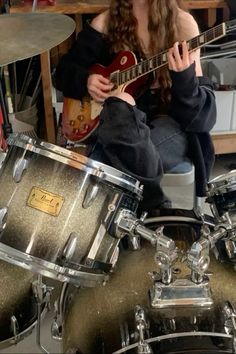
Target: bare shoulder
(99,23)
(187,25)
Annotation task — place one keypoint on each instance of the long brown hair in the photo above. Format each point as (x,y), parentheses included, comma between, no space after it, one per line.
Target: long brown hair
(162,26)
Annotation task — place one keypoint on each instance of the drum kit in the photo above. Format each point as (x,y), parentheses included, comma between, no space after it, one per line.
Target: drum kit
(129,284)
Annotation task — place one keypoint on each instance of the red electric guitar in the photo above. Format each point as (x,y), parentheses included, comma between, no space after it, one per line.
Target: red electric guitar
(81,118)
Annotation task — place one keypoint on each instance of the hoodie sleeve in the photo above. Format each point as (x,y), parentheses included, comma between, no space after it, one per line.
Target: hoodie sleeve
(193,101)
(73,69)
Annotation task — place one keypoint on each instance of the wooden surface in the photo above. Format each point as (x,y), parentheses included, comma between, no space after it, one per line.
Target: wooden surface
(224,143)
(78,8)
(96,6)
(75,7)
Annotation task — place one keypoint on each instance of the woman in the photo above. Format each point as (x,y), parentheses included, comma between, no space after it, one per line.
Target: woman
(145,133)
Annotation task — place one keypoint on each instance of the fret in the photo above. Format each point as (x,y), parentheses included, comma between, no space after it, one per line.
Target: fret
(201,39)
(151,64)
(143,68)
(146,66)
(140,69)
(123,77)
(164,57)
(133,72)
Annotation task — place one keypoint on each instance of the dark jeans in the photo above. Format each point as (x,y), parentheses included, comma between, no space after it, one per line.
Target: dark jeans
(127,143)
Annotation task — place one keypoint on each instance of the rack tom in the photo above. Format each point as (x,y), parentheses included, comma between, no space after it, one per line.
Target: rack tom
(57,210)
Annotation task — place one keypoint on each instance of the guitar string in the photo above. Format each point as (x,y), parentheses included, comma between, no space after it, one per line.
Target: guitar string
(160,59)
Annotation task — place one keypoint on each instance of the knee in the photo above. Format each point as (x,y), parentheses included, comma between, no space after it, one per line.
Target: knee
(124,96)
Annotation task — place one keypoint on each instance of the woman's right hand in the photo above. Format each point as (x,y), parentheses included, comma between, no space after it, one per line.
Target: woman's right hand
(99,87)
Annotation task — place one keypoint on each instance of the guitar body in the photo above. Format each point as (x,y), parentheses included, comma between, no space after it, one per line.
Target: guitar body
(81,117)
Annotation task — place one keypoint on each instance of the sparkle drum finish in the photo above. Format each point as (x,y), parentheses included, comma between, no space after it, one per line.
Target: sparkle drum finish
(221,194)
(18,308)
(57,210)
(102,320)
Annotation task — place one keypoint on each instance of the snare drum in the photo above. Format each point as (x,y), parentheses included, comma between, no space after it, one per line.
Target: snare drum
(221,194)
(102,320)
(57,210)
(18,308)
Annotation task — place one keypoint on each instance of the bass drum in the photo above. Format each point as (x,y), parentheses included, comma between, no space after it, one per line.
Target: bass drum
(18,308)
(101,320)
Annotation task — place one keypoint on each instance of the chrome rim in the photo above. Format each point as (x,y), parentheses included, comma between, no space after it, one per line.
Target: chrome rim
(49,269)
(75,160)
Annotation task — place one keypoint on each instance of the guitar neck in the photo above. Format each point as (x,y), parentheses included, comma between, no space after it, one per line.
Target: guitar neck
(149,65)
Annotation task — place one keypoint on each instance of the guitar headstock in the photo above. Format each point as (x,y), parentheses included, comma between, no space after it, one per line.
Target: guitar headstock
(230,26)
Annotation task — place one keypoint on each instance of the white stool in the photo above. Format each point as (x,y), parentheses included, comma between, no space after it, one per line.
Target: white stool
(181,175)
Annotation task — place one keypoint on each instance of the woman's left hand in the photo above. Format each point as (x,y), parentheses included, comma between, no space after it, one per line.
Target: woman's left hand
(179,58)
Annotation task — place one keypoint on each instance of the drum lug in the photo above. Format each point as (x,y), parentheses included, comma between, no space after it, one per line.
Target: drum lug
(142,327)
(42,292)
(230,318)
(56,329)
(125,335)
(70,247)
(15,328)
(3,216)
(230,322)
(230,247)
(42,295)
(90,195)
(19,167)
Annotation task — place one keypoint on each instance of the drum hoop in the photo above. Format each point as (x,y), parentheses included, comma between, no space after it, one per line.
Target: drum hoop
(48,269)
(220,180)
(14,340)
(75,160)
(175,335)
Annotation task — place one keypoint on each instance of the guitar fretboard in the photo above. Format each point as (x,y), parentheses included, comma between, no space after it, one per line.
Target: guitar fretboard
(148,65)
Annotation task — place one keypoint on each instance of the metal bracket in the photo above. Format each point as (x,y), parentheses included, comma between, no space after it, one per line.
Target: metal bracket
(181,292)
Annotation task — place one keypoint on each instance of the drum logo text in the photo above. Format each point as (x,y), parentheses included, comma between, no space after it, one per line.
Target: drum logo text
(45,201)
